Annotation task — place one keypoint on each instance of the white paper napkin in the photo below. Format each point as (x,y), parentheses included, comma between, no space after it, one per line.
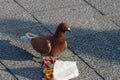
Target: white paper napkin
(65,70)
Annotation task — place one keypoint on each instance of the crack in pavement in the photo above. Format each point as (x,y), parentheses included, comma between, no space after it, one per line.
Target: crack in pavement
(87,64)
(32,15)
(9,71)
(100,12)
(94,7)
(115,23)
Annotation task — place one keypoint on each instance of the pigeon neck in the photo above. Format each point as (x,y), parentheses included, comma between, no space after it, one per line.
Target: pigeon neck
(60,34)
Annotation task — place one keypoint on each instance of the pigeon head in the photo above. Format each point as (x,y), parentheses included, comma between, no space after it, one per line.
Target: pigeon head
(63,27)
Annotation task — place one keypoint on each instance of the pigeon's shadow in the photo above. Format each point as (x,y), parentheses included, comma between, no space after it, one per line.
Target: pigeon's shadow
(12,52)
(31,73)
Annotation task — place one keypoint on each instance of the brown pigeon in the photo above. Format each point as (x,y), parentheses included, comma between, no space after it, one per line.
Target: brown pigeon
(51,45)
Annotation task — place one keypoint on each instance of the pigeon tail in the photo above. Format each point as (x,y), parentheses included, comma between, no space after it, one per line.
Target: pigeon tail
(27,38)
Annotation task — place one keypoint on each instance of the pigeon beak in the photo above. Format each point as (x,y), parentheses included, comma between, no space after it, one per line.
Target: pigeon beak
(69,29)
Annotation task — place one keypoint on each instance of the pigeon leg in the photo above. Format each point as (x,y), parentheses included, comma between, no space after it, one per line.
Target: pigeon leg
(53,60)
(45,62)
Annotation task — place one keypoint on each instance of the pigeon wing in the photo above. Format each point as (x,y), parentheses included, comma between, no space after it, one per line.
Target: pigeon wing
(41,45)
